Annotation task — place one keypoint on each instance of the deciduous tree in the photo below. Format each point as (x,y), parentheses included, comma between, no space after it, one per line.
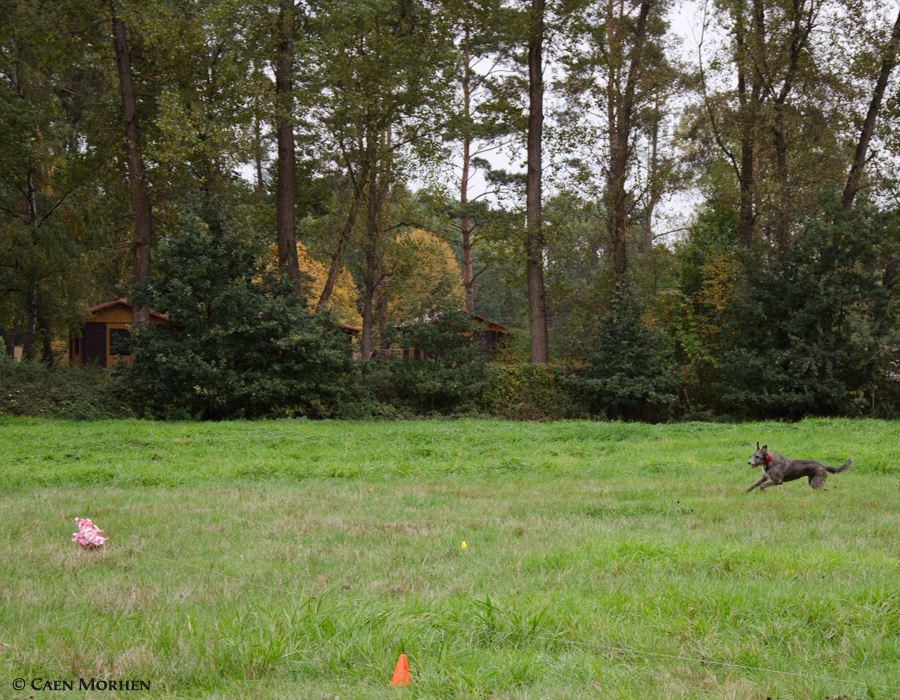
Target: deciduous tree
(534,240)
(385,72)
(140,200)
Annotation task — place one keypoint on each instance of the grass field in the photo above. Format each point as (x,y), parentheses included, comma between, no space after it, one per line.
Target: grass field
(294,559)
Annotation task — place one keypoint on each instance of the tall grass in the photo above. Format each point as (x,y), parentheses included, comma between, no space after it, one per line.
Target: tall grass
(295,559)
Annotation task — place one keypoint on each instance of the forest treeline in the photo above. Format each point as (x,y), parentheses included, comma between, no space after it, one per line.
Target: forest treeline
(266,172)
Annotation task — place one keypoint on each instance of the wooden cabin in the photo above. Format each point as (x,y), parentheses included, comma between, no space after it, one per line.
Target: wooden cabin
(107,325)
(351,332)
(491,334)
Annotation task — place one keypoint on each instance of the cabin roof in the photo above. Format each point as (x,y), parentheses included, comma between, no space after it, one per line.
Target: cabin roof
(431,318)
(120,302)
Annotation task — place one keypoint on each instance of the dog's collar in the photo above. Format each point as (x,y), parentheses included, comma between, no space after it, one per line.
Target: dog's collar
(768,458)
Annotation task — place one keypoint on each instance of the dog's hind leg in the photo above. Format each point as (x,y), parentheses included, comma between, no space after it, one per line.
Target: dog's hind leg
(817,481)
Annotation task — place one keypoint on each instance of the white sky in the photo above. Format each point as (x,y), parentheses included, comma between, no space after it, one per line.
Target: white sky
(675,211)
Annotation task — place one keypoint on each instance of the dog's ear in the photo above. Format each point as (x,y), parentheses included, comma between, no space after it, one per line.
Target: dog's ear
(765,448)
(757,444)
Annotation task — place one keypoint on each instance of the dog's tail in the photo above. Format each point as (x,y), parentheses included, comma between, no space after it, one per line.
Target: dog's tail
(840,469)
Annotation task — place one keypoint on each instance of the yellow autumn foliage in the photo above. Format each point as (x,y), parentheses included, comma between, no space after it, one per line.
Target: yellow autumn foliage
(343,302)
(699,319)
(721,276)
(425,275)
(422,274)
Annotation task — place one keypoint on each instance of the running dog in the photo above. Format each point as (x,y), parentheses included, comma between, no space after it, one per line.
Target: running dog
(778,469)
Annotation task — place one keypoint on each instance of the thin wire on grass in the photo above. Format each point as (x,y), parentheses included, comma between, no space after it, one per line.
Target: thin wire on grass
(590,645)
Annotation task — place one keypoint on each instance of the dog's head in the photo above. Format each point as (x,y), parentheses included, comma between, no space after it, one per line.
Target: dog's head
(760,457)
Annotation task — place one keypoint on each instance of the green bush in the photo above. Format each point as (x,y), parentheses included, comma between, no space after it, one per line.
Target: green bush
(810,335)
(239,344)
(31,388)
(523,391)
(631,373)
(452,377)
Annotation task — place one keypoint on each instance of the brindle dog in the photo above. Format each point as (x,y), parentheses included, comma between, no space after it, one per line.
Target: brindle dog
(778,469)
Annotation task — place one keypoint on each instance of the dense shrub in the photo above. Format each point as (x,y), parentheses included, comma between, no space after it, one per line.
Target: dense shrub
(452,377)
(240,344)
(809,336)
(631,373)
(31,388)
(523,391)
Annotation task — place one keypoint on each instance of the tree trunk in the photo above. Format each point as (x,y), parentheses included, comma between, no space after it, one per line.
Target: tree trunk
(12,335)
(465,228)
(800,32)
(653,193)
(359,184)
(468,276)
(140,200)
(258,147)
(371,271)
(31,308)
(257,158)
(382,312)
(30,323)
(46,346)
(337,259)
(782,218)
(534,240)
(854,180)
(284,98)
(747,215)
(613,90)
(619,163)
(369,284)
(749,115)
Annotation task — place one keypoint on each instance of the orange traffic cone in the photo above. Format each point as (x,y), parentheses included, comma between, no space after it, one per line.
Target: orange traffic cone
(401,673)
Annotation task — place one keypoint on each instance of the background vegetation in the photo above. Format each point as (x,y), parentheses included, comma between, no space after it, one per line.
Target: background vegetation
(264,172)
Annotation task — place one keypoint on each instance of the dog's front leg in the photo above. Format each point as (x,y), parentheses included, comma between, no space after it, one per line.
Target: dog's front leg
(759,481)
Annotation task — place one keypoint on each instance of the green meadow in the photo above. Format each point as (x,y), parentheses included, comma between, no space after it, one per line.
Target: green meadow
(298,559)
